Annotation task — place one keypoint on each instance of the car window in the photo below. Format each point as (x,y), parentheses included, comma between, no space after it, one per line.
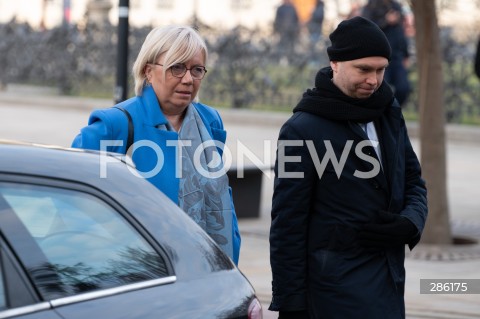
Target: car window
(87,244)
(3,301)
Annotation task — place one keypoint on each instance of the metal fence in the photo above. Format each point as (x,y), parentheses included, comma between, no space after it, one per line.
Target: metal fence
(247,68)
(461,86)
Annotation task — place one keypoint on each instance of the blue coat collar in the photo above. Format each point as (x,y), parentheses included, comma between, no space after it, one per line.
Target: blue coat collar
(154,113)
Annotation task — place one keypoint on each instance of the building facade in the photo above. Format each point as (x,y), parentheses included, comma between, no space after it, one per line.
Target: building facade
(220,14)
(215,13)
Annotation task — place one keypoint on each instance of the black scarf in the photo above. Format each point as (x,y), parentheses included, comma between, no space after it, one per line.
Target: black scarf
(328,101)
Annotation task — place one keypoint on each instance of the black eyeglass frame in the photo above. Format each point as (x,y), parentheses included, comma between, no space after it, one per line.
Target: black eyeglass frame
(185,71)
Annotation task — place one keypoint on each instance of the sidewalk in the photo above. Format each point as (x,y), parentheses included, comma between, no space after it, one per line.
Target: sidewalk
(46,97)
(258,131)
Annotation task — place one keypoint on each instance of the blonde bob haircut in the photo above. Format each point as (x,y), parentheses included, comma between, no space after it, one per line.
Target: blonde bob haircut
(178,44)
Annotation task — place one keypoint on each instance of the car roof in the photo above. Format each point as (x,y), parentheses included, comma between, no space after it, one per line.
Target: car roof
(41,156)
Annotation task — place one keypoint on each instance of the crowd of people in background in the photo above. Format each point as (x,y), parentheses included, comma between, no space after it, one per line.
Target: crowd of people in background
(287,27)
(387,14)
(315,23)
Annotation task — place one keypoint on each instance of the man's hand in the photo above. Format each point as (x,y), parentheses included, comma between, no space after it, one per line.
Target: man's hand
(392,230)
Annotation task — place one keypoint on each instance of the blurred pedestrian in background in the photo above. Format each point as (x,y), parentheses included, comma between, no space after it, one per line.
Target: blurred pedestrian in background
(355,10)
(287,27)
(315,23)
(477,60)
(168,72)
(348,191)
(388,15)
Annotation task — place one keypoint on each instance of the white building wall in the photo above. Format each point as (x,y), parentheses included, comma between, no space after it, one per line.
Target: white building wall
(27,11)
(215,13)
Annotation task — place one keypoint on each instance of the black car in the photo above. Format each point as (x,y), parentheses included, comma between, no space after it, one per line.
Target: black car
(81,236)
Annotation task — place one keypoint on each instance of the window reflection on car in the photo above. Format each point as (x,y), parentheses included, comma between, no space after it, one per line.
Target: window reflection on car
(86,243)
(3,303)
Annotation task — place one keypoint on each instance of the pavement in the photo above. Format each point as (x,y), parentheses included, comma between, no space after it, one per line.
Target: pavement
(253,134)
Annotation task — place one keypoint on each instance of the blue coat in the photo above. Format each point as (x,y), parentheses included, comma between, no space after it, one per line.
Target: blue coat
(111,124)
(316,262)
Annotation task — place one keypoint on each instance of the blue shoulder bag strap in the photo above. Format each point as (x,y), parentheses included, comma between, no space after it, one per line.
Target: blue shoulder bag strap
(130,127)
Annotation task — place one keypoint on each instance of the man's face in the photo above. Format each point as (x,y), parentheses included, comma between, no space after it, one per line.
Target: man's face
(359,78)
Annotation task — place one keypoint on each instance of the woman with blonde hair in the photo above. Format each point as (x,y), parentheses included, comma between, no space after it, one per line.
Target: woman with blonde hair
(174,141)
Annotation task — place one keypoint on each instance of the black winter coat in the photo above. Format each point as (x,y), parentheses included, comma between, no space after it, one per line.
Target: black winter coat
(316,262)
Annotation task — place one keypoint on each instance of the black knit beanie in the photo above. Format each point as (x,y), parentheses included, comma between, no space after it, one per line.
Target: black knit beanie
(358,38)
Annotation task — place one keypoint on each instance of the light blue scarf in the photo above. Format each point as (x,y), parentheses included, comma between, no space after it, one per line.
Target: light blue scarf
(204,195)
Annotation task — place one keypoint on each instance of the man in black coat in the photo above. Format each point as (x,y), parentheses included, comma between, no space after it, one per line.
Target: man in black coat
(388,15)
(287,26)
(348,192)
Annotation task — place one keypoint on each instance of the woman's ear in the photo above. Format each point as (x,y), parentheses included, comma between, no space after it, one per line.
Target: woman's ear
(148,72)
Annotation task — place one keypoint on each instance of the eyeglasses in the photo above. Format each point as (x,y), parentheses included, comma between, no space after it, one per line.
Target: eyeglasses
(179,70)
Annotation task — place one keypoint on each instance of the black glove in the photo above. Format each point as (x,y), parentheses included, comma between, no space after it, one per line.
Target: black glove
(392,230)
(293,314)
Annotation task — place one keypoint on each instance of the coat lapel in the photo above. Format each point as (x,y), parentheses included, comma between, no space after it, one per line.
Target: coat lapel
(389,130)
(380,178)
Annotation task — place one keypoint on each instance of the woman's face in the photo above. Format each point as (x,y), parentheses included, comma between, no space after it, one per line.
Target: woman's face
(174,93)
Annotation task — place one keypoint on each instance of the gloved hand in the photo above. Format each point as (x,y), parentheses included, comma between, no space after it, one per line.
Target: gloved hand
(392,230)
(303,314)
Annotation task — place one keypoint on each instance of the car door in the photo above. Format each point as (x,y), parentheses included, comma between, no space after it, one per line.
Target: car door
(74,244)
(17,295)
